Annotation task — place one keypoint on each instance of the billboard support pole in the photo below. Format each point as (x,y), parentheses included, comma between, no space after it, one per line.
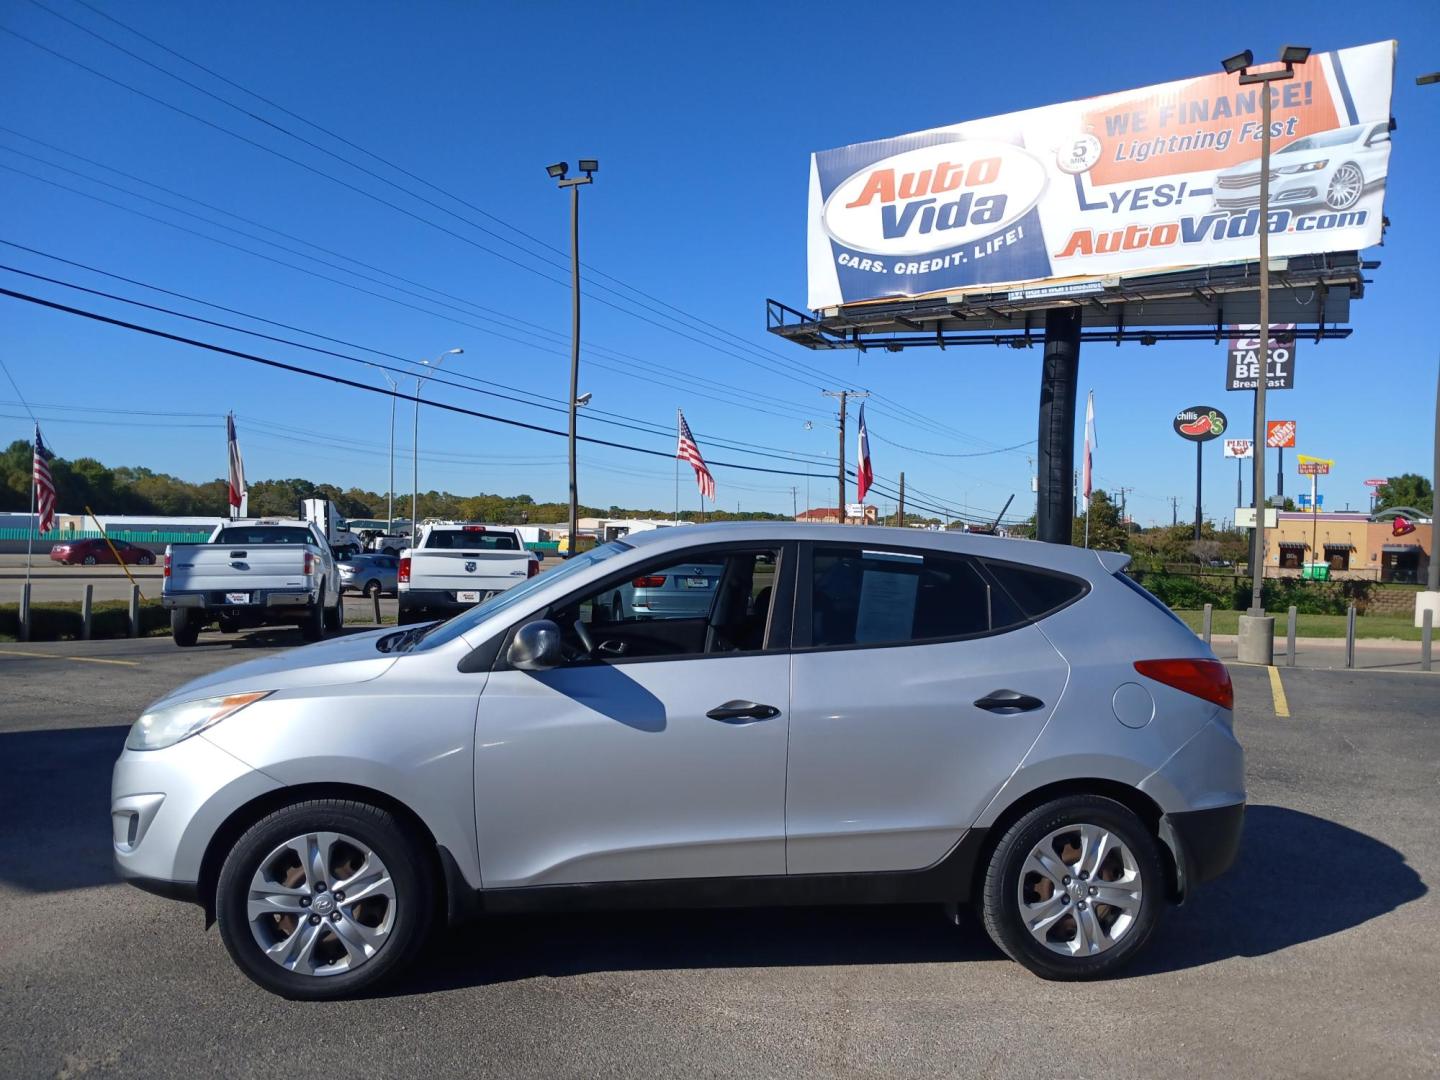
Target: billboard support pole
(1059,379)
(1199,465)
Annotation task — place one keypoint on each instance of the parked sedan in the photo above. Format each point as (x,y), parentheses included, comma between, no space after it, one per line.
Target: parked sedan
(373,575)
(857,715)
(91,552)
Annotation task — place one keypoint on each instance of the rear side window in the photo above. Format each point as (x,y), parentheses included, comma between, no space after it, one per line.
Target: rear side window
(864,596)
(460,540)
(1036,593)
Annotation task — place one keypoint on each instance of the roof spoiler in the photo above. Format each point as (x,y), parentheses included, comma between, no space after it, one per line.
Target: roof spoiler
(1113,561)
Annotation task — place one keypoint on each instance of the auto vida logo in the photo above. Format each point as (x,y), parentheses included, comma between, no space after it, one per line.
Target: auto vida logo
(934,197)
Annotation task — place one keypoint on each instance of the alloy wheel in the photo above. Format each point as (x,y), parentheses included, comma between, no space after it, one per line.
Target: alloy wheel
(321,904)
(1345,187)
(1080,890)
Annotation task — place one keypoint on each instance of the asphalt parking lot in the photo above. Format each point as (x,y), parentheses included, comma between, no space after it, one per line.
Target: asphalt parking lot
(1316,956)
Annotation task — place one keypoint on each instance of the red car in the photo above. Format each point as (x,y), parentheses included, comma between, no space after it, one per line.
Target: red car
(90,552)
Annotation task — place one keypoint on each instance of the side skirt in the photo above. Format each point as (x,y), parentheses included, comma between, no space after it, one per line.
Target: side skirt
(950,880)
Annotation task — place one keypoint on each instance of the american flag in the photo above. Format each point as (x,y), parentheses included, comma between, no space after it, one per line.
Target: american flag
(688,451)
(44,484)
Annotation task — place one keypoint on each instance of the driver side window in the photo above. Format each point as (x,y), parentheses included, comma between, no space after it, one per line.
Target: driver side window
(710,603)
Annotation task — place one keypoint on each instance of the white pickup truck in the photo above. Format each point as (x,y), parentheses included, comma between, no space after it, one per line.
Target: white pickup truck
(253,572)
(454,567)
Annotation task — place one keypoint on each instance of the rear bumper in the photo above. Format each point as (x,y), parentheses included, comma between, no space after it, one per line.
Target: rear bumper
(1204,842)
(261,598)
(440,600)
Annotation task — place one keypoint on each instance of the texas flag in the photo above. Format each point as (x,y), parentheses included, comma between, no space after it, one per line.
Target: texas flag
(864,474)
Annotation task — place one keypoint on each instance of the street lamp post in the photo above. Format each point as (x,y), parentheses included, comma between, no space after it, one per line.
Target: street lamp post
(415,446)
(588,166)
(1430,598)
(1257,630)
(390,491)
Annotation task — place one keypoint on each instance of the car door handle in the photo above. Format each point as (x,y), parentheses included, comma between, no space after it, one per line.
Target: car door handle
(1008,702)
(742,712)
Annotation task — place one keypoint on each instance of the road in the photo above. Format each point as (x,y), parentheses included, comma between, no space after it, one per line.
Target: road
(1316,956)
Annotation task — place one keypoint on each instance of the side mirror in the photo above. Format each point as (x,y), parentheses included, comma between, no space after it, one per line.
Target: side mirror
(536,647)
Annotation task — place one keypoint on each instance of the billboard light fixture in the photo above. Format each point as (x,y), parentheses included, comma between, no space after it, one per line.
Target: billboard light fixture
(1238,62)
(588,165)
(1295,54)
(558,170)
(1427,80)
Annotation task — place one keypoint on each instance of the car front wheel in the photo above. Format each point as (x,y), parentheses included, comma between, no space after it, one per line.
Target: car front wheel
(324,898)
(1074,888)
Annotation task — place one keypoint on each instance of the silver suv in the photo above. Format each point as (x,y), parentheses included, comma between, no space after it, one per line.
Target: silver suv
(857,715)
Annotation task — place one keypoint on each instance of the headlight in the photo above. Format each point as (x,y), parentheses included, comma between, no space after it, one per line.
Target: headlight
(1309,166)
(165,727)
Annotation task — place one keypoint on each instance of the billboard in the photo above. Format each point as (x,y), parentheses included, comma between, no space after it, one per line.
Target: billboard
(1200,423)
(1146,180)
(1243,358)
(1279,434)
(1313,466)
(1239,448)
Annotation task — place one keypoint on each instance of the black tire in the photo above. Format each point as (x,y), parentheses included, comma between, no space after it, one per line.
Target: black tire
(146,560)
(335,617)
(1001,905)
(227,626)
(312,628)
(184,627)
(405,857)
(372,589)
(89,560)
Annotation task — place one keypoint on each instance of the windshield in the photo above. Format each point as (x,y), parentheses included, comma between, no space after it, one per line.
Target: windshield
(443,633)
(263,534)
(1338,137)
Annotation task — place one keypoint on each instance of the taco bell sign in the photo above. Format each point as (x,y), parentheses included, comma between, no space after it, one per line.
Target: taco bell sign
(1243,358)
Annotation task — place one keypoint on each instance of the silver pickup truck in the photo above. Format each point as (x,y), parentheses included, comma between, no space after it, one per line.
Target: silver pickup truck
(454,567)
(258,572)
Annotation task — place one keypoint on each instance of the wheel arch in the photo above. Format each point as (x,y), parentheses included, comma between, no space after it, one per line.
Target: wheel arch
(454,895)
(1133,799)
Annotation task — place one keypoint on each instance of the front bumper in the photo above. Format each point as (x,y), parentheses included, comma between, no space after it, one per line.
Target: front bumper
(166,805)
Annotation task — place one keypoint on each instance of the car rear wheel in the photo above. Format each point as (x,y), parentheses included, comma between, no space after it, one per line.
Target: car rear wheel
(146,559)
(184,627)
(324,898)
(1074,888)
(89,560)
(335,617)
(372,588)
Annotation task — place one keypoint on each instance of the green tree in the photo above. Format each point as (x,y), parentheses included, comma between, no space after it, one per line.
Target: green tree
(1407,489)
(1107,531)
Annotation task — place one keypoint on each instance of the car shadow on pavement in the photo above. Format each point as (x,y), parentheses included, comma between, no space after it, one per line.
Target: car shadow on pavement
(269,637)
(1298,878)
(55,805)
(1255,909)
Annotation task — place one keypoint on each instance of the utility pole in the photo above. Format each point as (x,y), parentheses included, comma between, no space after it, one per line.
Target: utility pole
(1174,510)
(1123,492)
(843,396)
(901,514)
(794,509)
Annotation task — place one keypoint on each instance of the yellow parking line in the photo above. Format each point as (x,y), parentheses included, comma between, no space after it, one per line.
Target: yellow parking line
(1277,691)
(77,659)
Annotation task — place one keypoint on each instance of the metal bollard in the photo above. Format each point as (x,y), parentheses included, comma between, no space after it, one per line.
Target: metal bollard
(87,607)
(1205,623)
(25,612)
(1290,639)
(1350,637)
(134,610)
(1427,630)
(376,598)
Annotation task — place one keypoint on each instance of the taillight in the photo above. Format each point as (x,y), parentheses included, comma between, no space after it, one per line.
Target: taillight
(1206,679)
(309,562)
(534,568)
(404,574)
(654,581)
(167,565)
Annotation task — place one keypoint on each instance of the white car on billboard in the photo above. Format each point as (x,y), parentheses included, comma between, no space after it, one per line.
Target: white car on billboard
(1333,168)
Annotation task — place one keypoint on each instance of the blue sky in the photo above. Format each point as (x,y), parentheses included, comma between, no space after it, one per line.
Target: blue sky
(703,119)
